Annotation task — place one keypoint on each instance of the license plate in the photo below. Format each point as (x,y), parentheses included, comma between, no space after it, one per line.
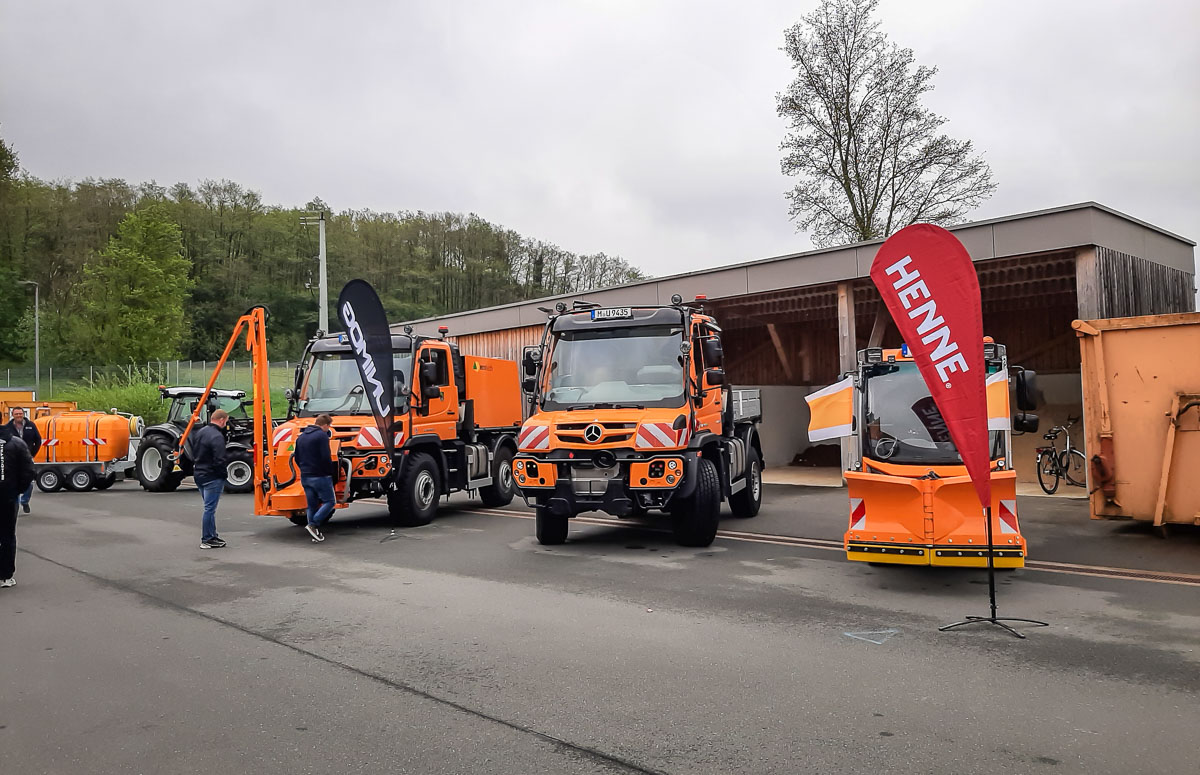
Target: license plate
(612,313)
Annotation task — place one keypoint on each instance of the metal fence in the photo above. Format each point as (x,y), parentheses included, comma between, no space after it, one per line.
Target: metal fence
(61,380)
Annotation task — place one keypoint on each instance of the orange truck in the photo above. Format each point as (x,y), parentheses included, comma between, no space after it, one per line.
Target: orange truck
(85,450)
(457,418)
(911,501)
(630,414)
(1141,405)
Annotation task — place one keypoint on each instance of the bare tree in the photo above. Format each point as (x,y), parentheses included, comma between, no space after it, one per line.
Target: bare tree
(869,156)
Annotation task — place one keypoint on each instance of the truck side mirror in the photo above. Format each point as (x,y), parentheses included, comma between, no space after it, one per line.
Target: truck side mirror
(289,394)
(299,378)
(429,375)
(715,376)
(714,353)
(528,384)
(1024,422)
(1027,390)
(529,361)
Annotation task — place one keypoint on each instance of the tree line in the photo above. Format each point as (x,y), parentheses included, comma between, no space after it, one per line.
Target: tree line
(137,272)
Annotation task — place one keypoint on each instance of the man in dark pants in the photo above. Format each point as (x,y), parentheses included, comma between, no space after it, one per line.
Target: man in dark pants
(27,432)
(317,469)
(16,474)
(208,469)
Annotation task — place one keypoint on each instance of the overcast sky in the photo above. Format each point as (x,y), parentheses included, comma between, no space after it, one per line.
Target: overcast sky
(643,129)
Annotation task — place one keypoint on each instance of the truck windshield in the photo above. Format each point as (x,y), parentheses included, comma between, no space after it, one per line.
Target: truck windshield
(333,386)
(616,367)
(902,423)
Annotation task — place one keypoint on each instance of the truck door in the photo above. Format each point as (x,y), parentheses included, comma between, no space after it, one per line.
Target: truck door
(440,414)
(708,411)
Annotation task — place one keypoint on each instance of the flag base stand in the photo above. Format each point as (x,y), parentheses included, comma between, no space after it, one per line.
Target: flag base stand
(998,621)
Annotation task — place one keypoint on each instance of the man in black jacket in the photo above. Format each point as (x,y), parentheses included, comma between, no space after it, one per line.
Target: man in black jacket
(27,432)
(315,460)
(16,474)
(208,469)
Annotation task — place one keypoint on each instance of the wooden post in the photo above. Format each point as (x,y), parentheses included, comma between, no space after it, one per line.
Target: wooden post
(779,351)
(847,356)
(879,328)
(1087,284)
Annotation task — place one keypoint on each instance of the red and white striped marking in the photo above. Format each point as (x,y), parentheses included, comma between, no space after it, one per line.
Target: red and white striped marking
(534,437)
(370,437)
(654,435)
(282,435)
(858,514)
(50,443)
(1008,518)
(93,442)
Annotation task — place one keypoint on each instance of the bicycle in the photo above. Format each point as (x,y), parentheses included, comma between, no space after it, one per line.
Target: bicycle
(1054,464)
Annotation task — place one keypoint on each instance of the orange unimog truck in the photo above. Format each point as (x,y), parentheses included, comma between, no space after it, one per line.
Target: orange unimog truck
(911,501)
(455,428)
(85,450)
(629,413)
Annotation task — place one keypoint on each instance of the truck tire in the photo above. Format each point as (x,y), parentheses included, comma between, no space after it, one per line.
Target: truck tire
(551,528)
(414,499)
(745,503)
(155,471)
(239,471)
(695,519)
(49,480)
(81,480)
(503,487)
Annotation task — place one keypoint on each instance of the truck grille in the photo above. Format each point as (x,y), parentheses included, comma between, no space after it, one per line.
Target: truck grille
(614,432)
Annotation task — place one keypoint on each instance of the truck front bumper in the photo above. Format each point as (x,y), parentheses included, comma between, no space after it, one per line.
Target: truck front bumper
(567,482)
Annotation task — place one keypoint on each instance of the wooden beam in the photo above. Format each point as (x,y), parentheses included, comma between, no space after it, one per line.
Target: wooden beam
(882,318)
(787,367)
(847,336)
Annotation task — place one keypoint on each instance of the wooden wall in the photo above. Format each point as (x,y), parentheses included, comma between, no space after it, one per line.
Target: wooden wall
(1118,285)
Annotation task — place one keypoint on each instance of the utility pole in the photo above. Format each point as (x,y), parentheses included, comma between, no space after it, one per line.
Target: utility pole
(37,337)
(318,218)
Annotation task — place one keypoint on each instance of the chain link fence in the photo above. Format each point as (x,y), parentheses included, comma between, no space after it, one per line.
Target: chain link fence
(60,380)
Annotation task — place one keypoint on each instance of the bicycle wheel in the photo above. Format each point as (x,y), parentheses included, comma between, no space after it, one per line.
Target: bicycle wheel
(1047,468)
(1074,467)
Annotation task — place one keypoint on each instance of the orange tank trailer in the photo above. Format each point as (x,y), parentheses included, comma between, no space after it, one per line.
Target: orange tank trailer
(84,450)
(911,500)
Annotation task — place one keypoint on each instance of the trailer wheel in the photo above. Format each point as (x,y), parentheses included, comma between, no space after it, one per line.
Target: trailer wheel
(239,471)
(155,471)
(105,482)
(746,502)
(413,501)
(694,520)
(551,528)
(503,487)
(49,480)
(81,480)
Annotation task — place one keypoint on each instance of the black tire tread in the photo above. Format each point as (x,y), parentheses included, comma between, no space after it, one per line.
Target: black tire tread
(695,520)
(401,506)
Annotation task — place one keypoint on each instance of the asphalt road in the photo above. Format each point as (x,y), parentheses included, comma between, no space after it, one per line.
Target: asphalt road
(465,647)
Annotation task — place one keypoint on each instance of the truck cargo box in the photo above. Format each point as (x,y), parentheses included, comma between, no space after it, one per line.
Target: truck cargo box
(494,389)
(1141,403)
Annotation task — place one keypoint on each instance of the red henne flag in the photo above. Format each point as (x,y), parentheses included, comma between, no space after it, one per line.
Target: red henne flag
(930,287)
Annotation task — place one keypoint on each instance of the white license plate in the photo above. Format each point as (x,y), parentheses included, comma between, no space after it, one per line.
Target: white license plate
(612,313)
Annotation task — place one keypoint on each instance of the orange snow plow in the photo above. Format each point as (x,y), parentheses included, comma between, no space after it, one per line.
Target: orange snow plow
(911,500)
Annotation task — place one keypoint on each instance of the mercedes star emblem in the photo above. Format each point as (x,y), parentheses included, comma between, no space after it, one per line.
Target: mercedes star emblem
(592,433)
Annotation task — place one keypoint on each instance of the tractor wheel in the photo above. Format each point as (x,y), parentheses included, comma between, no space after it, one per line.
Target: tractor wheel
(551,528)
(695,519)
(239,471)
(413,501)
(81,479)
(155,469)
(50,480)
(503,487)
(745,504)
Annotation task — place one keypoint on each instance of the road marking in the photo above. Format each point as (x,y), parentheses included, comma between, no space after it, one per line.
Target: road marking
(1043,566)
(878,637)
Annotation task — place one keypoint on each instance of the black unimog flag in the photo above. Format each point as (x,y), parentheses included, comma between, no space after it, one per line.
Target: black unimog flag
(362,314)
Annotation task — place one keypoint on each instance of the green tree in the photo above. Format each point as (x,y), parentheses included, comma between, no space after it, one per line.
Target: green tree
(870,157)
(133,292)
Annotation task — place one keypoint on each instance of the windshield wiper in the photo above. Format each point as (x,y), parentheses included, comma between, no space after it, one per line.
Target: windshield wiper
(604,405)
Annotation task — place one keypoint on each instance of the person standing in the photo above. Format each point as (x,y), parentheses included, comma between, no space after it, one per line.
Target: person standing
(208,469)
(16,474)
(28,433)
(315,460)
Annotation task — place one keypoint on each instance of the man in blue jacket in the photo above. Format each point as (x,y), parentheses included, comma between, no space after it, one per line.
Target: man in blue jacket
(28,433)
(16,474)
(317,468)
(208,469)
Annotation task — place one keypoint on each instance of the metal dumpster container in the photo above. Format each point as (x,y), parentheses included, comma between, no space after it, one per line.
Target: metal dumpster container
(1141,403)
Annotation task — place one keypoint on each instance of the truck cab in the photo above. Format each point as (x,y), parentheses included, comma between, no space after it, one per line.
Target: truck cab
(630,414)
(911,500)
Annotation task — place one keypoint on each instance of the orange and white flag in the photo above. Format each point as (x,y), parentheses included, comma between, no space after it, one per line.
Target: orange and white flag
(831,411)
(999,415)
